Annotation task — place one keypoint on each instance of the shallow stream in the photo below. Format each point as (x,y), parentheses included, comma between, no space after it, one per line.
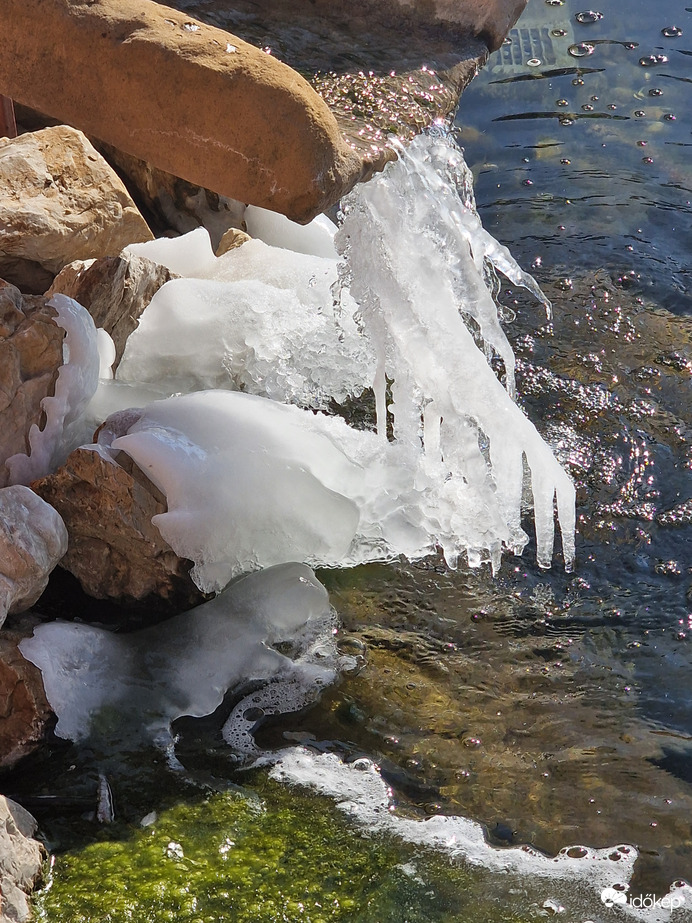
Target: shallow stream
(555,709)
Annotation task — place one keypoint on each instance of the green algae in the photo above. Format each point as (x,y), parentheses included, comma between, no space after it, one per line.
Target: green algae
(286,856)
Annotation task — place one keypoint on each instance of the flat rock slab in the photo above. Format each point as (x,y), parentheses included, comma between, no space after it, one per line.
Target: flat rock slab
(60,201)
(188,97)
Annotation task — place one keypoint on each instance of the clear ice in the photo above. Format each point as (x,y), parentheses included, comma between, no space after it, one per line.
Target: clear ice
(124,688)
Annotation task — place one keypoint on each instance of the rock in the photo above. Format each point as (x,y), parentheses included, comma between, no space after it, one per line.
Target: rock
(115,290)
(114,549)
(383,66)
(21,858)
(187,97)
(31,353)
(231,239)
(33,538)
(174,202)
(60,201)
(24,709)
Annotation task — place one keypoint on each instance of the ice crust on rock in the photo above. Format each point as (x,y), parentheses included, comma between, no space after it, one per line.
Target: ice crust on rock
(75,386)
(33,539)
(125,688)
(316,237)
(251,483)
(414,283)
(248,335)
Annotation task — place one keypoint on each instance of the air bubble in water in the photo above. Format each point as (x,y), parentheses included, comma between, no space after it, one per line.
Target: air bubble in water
(566,120)
(534,62)
(655,92)
(561,102)
(559,33)
(587,107)
(671,31)
(588,16)
(581,50)
(555,2)
(669,117)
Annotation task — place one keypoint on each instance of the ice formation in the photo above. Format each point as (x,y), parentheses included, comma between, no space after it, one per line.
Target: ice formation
(416,259)
(74,387)
(122,688)
(413,285)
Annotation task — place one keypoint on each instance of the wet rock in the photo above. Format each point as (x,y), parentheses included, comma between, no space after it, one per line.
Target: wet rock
(21,858)
(114,549)
(60,201)
(115,290)
(268,138)
(33,538)
(31,353)
(24,709)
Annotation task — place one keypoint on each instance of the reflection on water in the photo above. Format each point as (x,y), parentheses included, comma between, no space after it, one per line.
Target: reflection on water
(589,166)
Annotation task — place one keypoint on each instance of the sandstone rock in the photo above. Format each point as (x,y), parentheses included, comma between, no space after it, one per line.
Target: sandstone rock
(115,290)
(231,239)
(24,709)
(60,201)
(21,858)
(383,66)
(33,538)
(31,353)
(114,549)
(191,99)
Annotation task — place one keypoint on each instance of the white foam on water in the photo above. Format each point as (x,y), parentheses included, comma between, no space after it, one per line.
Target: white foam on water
(578,875)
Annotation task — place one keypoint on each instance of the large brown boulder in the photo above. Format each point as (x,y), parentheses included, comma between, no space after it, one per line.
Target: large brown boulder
(115,290)
(24,709)
(114,549)
(21,858)
(188,97)
(59,202)
(31,353)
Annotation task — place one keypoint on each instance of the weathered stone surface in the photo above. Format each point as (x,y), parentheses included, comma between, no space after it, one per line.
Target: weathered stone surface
(115,290)
(24,709)
(185,96)
(231,239)
(114,549)
(33,538)
(30,357)
(60,201)
(21,858)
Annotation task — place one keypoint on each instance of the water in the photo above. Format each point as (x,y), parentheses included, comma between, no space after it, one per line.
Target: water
(553,708)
